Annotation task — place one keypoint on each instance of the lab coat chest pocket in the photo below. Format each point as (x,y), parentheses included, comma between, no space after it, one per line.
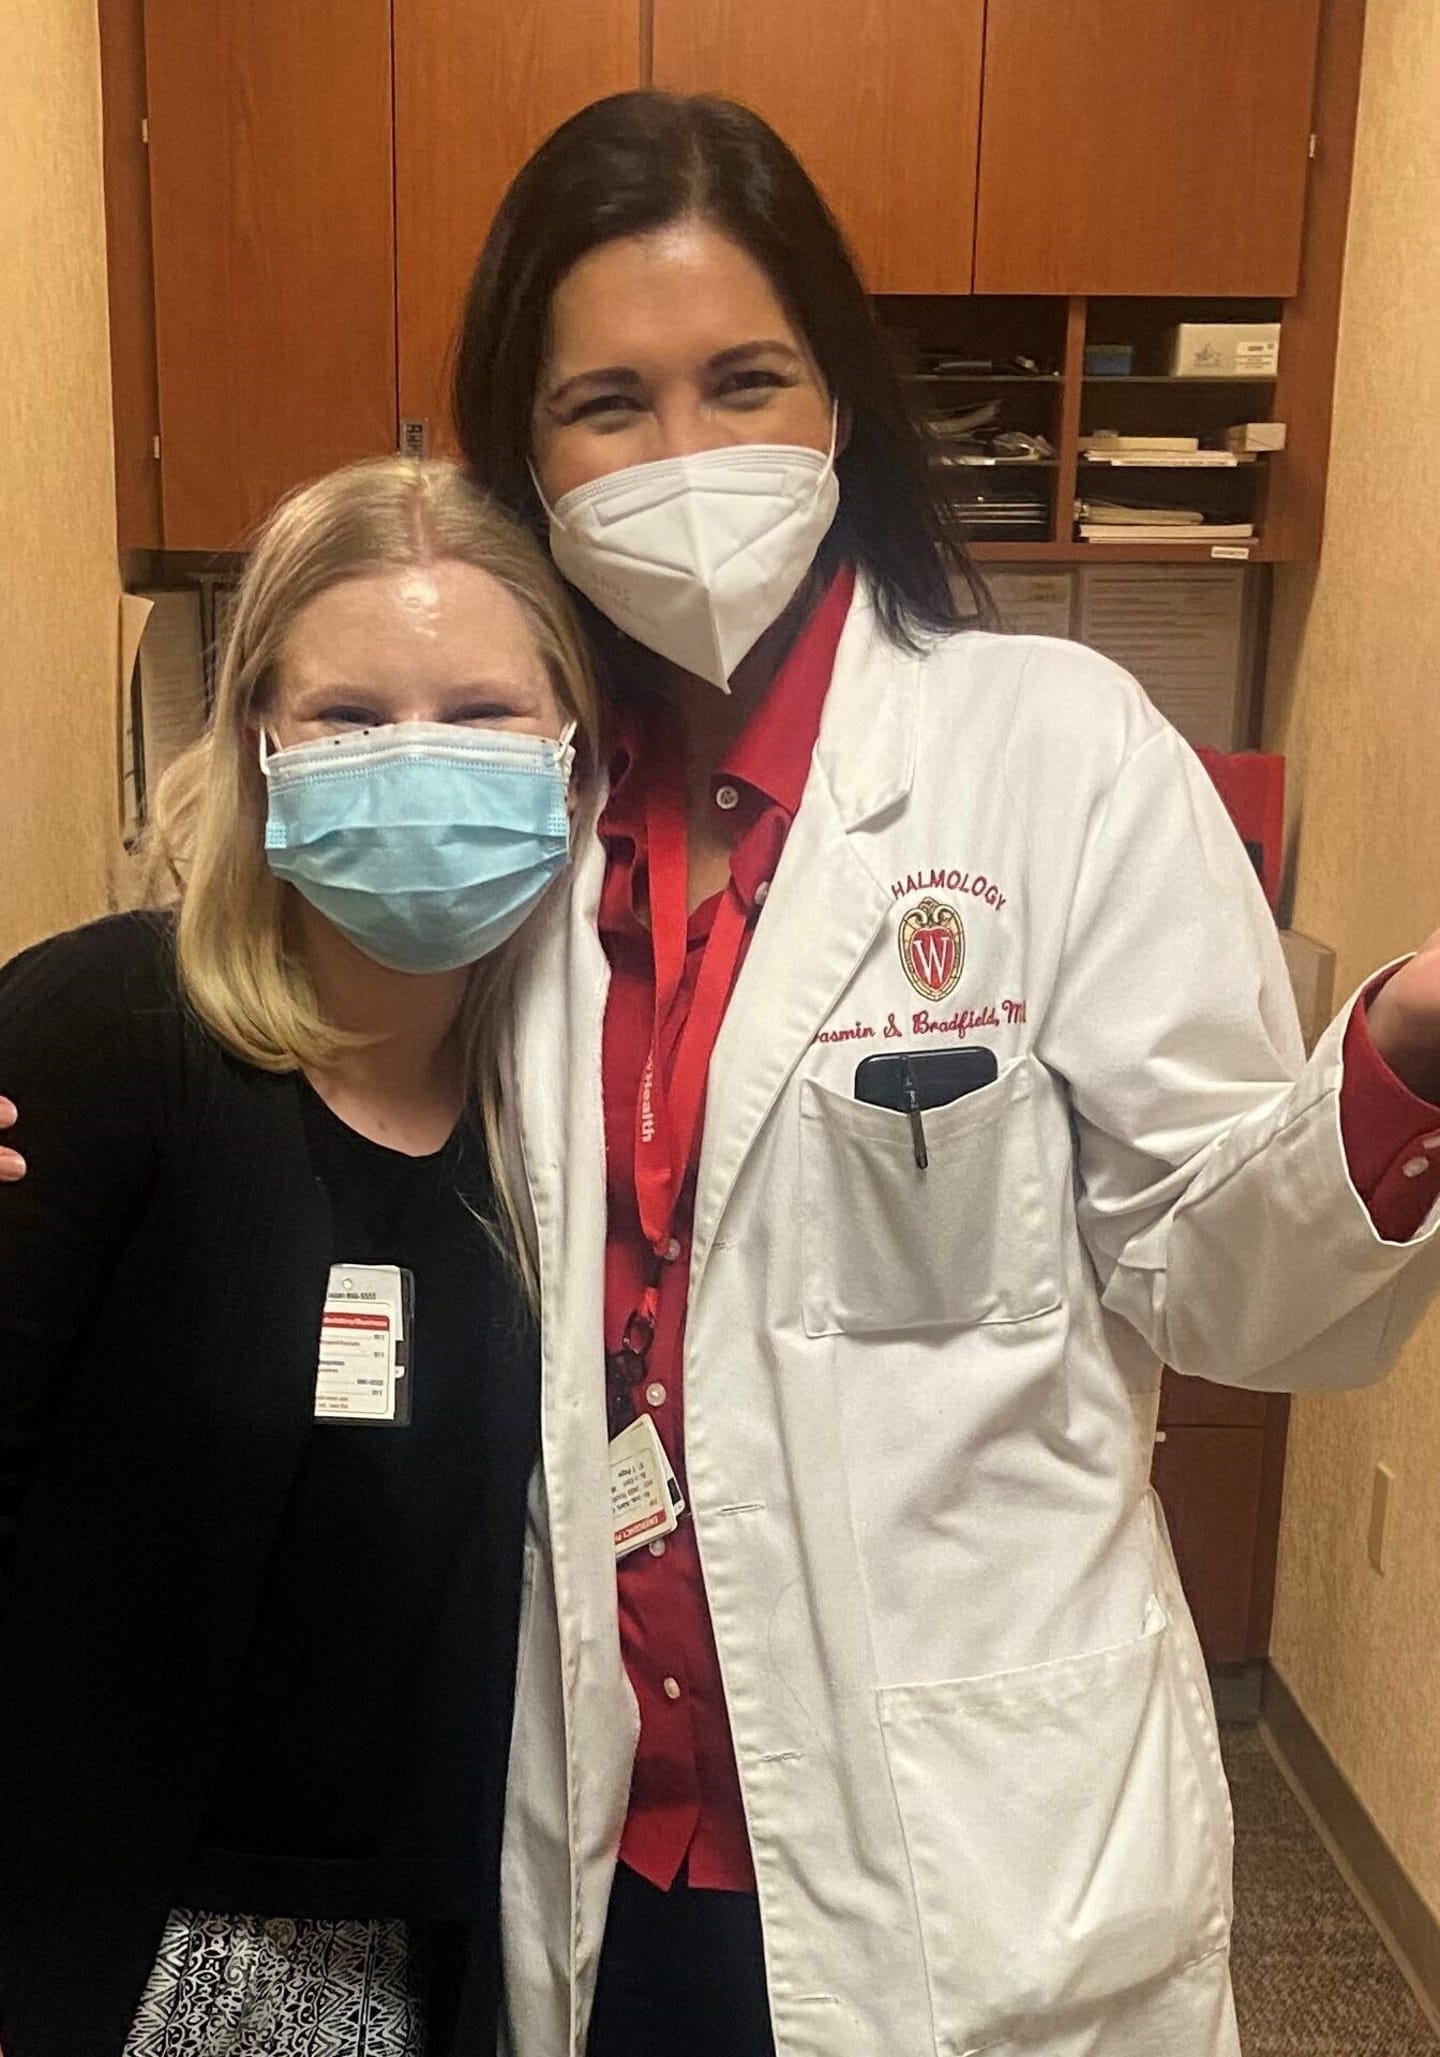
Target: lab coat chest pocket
(884,1245)
(1062,1843)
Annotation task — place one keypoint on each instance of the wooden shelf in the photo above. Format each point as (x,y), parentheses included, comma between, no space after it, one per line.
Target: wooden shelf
(981,378)
(1242,488)
(1117,553)
(996,463)
(1173,463)
(1164,378)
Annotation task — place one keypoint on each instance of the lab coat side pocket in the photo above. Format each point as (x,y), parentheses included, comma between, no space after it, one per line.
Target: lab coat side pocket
(1060,1842)
(971,1239)
(526,1636)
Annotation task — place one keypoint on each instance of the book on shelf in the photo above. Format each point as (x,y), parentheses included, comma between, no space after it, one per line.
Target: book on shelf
(1131,516)
(1167,533)
(1108,440)
(1170,460)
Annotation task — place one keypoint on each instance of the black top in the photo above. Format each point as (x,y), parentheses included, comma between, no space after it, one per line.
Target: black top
(267,1663)
(327,1802)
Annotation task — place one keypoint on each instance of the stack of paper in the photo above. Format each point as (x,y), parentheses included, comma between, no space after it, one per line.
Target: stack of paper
(1164,453)
(1105,442)
(1167,533)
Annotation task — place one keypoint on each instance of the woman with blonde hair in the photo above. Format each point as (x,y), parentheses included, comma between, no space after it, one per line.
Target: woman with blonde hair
(268,1394)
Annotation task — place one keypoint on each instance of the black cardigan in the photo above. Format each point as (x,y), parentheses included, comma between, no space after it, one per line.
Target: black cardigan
(162,1270)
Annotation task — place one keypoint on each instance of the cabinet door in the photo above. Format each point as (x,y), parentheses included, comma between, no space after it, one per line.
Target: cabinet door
(879,98)
(134,395)
(478,83)
(1196,1403)
(273,219)
(1210,1482)
(1145,146)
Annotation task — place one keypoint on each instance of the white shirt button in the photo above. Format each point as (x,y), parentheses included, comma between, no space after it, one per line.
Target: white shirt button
(655,1395)
(672,1250)
(1414,1166)
(762,892)
(657,1548)
(727,798)
(672,1689)
(281,1933)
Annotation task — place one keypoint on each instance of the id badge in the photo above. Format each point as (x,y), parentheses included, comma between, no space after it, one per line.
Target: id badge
(365,1336)
(645,1502)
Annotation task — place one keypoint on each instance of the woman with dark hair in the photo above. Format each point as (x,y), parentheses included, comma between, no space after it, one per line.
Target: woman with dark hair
(890,1199)
(644,162)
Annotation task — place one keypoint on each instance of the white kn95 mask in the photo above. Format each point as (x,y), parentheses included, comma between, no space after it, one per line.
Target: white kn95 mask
(696,556)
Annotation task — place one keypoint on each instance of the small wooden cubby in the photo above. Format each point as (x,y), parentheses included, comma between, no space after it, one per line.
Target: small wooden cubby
(1027,358)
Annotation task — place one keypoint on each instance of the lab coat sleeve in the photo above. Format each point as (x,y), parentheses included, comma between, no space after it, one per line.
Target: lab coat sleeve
(1214,1196)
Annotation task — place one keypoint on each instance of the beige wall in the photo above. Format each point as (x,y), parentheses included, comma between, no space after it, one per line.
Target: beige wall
(58,576)
(1355,702)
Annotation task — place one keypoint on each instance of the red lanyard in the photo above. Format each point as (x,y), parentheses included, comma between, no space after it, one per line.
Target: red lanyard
(668,1116)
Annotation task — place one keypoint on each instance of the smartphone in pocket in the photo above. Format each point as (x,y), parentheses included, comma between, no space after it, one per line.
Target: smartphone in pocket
(906,1080)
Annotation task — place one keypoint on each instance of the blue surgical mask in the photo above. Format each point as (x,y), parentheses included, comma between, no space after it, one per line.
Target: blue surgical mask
(426,844)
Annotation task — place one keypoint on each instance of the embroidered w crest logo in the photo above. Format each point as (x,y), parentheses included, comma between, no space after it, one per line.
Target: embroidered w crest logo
(932,949)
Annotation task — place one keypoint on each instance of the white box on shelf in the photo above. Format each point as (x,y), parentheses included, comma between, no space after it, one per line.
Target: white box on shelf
(1251,437)
(1225,350)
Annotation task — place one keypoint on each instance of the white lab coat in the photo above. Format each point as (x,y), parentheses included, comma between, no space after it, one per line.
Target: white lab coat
(974,1735)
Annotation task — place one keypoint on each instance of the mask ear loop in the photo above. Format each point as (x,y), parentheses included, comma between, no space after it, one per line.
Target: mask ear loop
(565,750)
(834,440)
(546,508)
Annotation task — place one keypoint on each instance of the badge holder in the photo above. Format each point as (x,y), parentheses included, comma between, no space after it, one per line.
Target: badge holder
(645,1498)
(365,1372)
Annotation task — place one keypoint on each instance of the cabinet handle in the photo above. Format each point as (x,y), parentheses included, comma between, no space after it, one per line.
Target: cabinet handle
(414,436)
(1160,1435)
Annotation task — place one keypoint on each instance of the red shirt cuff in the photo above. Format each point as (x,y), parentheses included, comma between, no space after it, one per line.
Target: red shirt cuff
(1391,1135)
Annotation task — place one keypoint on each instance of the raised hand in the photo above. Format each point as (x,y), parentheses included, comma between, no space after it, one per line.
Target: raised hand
(1405,1021)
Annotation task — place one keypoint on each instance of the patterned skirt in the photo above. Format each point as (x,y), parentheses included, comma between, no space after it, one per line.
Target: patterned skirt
(233,1985)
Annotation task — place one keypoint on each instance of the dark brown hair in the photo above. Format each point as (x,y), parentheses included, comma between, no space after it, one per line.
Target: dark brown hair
(635,163)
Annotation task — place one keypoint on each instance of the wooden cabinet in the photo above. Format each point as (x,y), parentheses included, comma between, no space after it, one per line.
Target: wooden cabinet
(1145,146)
(274,258)
(478,83)
(135,401)
(879,98)
(1219,1470)
(321,178)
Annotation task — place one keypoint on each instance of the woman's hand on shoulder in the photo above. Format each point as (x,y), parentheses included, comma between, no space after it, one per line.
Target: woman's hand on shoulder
(1404,1019)
(12,1164)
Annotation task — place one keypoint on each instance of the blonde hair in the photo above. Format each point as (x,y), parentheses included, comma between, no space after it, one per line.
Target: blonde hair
(205,845)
